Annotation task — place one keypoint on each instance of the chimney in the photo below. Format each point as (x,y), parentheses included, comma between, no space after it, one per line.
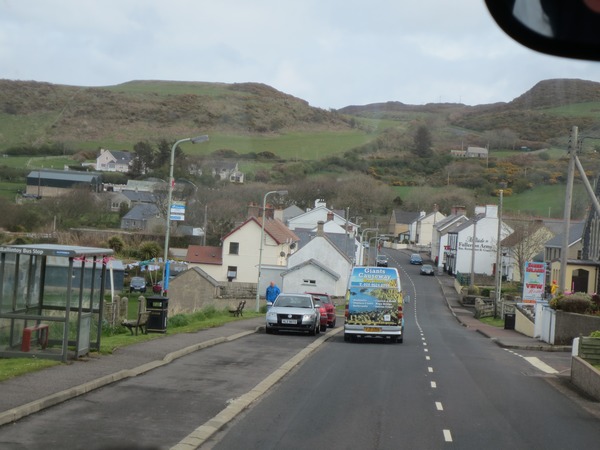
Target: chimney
(329,216)
(253,210)
(320,231)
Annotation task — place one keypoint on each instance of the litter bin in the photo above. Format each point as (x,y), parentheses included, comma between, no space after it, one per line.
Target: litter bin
(509,321)
(158,307)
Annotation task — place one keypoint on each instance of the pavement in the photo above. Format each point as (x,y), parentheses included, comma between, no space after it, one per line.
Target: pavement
(33,392)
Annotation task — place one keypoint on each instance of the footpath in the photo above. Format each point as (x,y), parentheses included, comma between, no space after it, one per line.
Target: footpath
(33,392)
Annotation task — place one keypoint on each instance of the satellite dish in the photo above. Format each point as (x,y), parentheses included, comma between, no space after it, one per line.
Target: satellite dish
(282,254)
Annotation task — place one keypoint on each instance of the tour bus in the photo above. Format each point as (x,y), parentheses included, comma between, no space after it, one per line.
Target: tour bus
(374,304)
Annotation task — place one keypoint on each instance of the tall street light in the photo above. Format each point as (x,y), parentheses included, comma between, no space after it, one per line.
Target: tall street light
(262,238)
(194,140)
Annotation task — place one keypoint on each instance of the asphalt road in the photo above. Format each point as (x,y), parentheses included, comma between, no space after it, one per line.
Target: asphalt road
(444,387)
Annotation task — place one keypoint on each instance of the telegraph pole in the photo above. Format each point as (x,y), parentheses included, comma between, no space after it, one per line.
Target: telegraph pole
(567,213)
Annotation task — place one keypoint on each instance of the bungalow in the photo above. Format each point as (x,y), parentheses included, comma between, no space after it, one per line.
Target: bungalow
(114,160)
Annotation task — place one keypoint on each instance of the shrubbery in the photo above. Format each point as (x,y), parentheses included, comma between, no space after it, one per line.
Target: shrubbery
(579,303)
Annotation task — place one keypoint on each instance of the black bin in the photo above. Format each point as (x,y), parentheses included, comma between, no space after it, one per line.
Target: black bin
(509,321)
(157,306)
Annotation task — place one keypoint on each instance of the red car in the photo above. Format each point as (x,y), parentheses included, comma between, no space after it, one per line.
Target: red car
(326,301)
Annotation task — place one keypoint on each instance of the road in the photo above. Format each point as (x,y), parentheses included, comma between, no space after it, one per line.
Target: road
(444,387)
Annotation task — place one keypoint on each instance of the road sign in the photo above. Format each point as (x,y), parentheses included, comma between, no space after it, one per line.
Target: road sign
(177,211)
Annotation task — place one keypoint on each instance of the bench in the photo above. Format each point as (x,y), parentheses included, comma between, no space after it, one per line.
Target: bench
(42,336)
(239,311)
(140,323)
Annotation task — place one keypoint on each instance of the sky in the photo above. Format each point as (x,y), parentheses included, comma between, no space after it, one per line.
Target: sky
(331,53)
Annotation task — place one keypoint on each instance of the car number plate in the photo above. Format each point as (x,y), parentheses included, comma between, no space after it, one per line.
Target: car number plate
(372,329)
(289,321)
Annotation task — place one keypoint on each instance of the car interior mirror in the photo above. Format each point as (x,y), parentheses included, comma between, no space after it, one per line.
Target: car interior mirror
(568,28)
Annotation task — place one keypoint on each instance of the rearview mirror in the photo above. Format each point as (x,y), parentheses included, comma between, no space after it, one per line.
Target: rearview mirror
(567,28)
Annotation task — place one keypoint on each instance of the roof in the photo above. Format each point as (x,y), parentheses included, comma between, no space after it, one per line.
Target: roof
(345,244)
(515,238)
(575,234)
(71,175)
(121,156)
(406,217)
(142,211)
(275,228)
(139,196)
(313,262)
(204,254)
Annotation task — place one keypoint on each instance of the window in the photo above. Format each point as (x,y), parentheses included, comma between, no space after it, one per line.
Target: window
(231,272)
(234,248)
(310,282)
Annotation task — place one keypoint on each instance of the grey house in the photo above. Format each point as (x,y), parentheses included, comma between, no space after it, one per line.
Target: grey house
(143,216)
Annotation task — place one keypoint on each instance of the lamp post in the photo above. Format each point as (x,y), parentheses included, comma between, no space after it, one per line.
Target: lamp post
(262,238)
(362,240)
(194,140)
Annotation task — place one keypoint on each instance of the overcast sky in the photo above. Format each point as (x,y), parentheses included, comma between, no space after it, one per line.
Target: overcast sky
(331,53)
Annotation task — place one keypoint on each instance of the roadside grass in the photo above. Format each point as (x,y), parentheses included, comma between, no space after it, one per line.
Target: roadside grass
(14,367)
(120,337)
(493,321)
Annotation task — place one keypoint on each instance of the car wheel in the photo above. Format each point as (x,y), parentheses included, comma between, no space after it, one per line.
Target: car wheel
(332,325)
(400,340)
(268,330)
(346,337)
(323,328)
(313,330)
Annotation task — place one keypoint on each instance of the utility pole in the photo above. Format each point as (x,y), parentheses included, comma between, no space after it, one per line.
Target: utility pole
(567,212)
(498,296)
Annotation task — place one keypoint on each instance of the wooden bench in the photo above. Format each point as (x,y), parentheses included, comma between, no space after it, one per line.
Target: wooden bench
(140,323)
(239,311)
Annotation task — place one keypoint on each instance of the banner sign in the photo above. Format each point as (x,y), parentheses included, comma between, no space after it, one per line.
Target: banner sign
(534,281)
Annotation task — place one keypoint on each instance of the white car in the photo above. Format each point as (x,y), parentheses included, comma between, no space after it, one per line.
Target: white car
(293,312)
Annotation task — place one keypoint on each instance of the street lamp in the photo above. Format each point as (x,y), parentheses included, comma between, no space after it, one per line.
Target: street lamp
(194,140)
(262,238)
(362,240)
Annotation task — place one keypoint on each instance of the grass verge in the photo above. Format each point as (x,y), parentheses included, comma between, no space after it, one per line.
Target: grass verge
(119,337)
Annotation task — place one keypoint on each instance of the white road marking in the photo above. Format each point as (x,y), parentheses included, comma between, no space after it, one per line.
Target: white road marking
(430,369)
(438,406)
(433,384)
(447,436)
(539,364)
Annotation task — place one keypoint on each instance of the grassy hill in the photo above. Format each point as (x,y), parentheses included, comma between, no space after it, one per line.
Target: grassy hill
(376,139)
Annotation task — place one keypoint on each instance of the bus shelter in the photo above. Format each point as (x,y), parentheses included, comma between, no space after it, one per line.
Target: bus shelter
(51,300)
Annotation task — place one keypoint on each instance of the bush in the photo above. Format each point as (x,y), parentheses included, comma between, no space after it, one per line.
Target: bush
(595,334)
(179,320)
(579,303)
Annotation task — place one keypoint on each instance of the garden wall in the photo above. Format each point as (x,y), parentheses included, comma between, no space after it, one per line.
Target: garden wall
(571,325)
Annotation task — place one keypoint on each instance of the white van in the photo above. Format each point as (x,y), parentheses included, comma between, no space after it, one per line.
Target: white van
(374,304)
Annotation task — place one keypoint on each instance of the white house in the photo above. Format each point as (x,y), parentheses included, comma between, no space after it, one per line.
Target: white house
(439,241)
(238,259)
(114,160)
(421,229)
(318,266)
(472,246)
(320,213)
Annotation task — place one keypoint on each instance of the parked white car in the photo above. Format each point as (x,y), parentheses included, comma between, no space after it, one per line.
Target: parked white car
(293,312)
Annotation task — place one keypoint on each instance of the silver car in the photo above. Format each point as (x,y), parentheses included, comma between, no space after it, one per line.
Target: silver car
(293,312)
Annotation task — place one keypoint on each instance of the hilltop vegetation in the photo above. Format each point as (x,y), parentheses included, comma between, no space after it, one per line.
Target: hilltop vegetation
(278,139)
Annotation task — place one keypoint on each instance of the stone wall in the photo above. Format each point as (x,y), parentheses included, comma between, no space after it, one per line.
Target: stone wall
(571,325)
(238,291)
(585,376)
(114,312)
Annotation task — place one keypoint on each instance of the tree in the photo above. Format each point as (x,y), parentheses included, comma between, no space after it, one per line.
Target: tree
(143,159)
(422,142)
(527,240)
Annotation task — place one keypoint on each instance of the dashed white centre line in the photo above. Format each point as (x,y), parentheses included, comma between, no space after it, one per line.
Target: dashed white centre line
(433,384)
(447,436)
(438,406)
(427,358)
(430,369)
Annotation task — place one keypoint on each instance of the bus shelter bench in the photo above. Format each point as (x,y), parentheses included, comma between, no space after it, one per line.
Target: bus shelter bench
(42,337)
(140,323)
(239,311)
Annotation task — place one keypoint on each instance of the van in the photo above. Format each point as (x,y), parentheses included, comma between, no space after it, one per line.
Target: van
(374,304)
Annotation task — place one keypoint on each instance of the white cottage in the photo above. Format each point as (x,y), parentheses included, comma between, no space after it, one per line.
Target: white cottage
(472,246)
(318,266)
